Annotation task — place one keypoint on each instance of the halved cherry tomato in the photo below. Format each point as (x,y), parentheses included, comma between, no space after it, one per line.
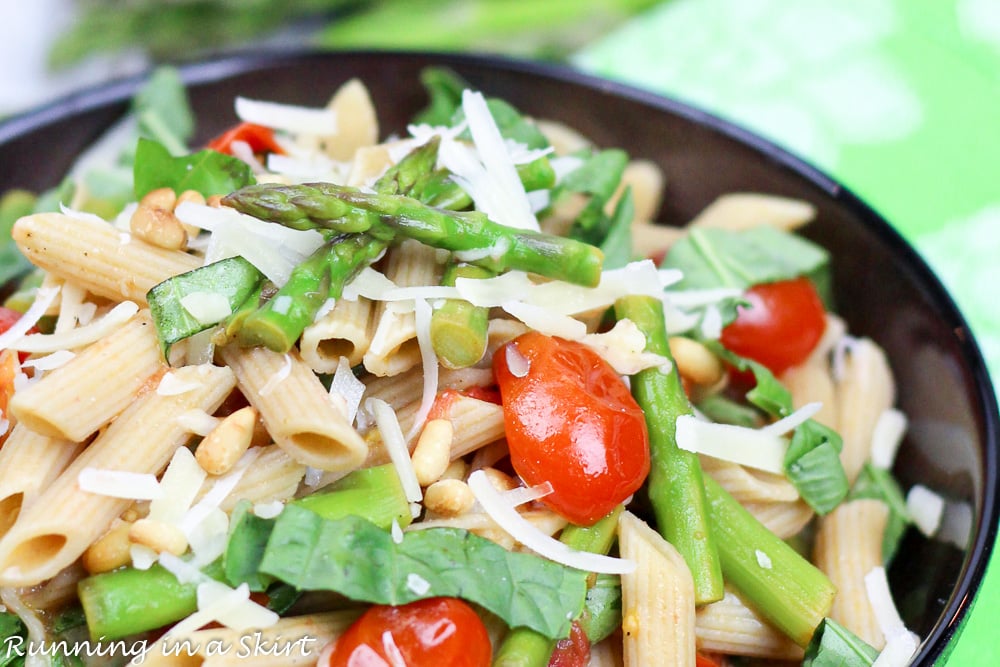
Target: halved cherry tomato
(426,633)
(574,651)
(702,661)
(259,138)
(571,421)
(781,327)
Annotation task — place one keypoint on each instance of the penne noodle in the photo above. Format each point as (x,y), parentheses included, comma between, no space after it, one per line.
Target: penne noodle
(812,382)
(848,546)
(658,609)
(58,527)
(784,519)
(865,389)
(743,210)
(75,400)
(96,256)
(393,348)
(748,485)
(730,626)
(29,462)
(343,332)
(296,408)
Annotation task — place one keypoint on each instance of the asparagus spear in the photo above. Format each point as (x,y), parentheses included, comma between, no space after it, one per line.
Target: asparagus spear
(497,247)
(675,484)
(458,328)
(523,647)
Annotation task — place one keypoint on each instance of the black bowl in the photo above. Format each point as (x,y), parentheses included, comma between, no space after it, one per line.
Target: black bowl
(882,288)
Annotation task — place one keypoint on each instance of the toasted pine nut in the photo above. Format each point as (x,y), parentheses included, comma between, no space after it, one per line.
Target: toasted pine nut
(164,198)
(449,497)
(215,201)
(158,536)
(500,480)
(223,447)
(433,451)
(110,551)
(192,196)
(158,226)
(457,469)
(695,361)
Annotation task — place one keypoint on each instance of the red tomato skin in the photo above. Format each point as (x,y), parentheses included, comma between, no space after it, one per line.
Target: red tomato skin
(781,327)
(574,651)
(571,421)
(259,138)
(436,632)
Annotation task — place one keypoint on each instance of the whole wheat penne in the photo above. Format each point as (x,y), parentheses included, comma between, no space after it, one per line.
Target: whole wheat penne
(29,462)
(730,626)
(812,382)
(64,520)
(742,210)
(78,398)
(747,485)
(848,546)
(343,332)
(393,348)
(97,256)
(296,408)
(784,519)
(658,609)
(865,389)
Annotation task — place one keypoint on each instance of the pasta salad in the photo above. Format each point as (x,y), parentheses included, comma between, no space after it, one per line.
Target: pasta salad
(313,395)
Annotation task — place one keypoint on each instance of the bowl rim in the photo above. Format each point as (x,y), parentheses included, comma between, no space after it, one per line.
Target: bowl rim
(941,639)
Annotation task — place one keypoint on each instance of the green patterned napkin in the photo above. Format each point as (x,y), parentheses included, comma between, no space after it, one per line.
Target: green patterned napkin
(899,99)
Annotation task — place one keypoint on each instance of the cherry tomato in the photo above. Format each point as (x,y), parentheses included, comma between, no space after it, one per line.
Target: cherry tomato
(571,421)
(436,632)
(703,661)
(781,327)
(574,651)
(259,138)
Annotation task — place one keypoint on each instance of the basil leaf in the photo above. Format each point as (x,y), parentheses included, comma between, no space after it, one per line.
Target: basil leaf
(724,410)
(13,634)
(234,278)
(359,560)
(162,110)
(712,257)
(833,645)
(812,464)
(245,549)
(13,205)
(879,484)
(617,244)
(208,172)
(444,88)
(602,613)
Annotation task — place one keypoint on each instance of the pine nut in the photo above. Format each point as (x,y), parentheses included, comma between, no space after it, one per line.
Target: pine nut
(110,551)
(457,469)
(223,447)
(449,498)
(159,536)
(500,480)
(433,451)
(695,361)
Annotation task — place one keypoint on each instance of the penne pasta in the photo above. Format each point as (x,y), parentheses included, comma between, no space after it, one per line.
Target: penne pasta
(63,521)
(730,626)
(296,408)
(343,332)
(96,256)
(658,609)
(75,400)
(848,546)
(864,390)
(741,210)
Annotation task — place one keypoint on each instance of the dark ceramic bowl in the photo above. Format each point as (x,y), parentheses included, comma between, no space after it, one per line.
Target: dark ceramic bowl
(883,289)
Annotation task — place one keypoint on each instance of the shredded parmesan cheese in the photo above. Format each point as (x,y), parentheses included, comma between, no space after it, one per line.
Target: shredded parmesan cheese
(429,361)
(287,117)
(74,338)
(526,494)
(50,362)
(886,438)
(206,307)
(44,297)
(348,387)
(517,363)
(925,508)
(119,484)
(278,377)
(794,420)
(524,532)
(750,447)
(170,385)
(395,444)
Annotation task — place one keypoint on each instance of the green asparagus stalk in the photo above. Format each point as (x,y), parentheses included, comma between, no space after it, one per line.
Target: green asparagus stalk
(441,191)
(373,493)
(675,478)
(395,215)
(523,647)
(278,323)
(458,328)
(129,601)
(783,586)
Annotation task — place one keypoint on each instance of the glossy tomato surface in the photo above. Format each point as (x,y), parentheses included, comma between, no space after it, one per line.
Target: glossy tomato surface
(780,327)
(571,421)
(436,632)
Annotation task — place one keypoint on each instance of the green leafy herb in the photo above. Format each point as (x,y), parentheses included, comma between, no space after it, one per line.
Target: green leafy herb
(713,257)
(723,410)
(13,205)
(833,645)
(879,484)
(11,628)
(245,549)
(162,110)
(812,461)
(444,89)
(359,560)
(602,613)
(617,245)
(234,278)
(208,172)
